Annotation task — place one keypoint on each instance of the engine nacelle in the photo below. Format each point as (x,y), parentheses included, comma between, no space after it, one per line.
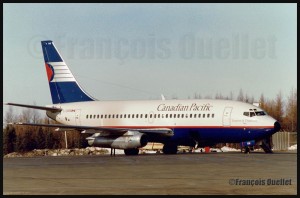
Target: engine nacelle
(129,140)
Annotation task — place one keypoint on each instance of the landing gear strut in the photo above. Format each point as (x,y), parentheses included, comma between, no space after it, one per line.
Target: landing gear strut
(247,149)
(111,151)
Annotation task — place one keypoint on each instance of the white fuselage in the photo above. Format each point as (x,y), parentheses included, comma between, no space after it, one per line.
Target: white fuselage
(161,113)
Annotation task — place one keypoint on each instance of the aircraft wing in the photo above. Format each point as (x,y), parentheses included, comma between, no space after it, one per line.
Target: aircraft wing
(104,131)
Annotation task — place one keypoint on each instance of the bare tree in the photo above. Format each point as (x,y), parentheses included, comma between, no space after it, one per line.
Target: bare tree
(197,96)
(262,101)
(278,114)
(251,99)
(246,99)
(26,115)
(9,115)
(35,115)
(30,115)
(240,97)
(230,95)
(219,96)
(291,111)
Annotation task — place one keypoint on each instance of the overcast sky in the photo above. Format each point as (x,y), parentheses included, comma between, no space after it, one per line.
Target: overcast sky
(139,51)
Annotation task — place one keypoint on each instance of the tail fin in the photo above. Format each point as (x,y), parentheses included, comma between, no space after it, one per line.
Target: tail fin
(63,86)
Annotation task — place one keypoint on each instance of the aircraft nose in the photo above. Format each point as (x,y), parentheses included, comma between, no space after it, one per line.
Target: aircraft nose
(277,126)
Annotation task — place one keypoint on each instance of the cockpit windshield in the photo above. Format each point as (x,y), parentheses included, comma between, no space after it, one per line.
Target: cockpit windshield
(254,112)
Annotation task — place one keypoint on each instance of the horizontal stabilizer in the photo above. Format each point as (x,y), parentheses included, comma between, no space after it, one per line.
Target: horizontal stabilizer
(53,109)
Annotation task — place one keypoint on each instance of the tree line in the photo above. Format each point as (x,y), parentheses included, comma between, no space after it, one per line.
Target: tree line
(22,138)
(25,138)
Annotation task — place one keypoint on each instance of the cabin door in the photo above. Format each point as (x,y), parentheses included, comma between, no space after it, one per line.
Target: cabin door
(227,116)
(77,117)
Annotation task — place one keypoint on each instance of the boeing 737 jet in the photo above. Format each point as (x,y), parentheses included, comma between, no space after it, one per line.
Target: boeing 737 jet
(130,125)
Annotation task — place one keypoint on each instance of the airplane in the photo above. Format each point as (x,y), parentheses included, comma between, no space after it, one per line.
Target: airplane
(130,125)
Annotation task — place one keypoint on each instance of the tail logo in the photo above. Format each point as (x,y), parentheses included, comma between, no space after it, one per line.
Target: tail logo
(50,72)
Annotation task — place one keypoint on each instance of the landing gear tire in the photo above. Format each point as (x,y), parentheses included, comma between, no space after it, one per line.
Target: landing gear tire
(170,149)
(131,151)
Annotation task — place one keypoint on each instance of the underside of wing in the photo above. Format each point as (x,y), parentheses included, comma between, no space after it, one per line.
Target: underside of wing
(105,131)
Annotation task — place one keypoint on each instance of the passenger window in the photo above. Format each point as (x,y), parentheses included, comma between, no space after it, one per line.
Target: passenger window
(87,116)
(182,115)
(90,116)
(128,115)
(109,116)
(154,115)
(121,115)
(203,115)
(124,115)
(141,115)
(212,115)
(146,115)
(167,115)
(178,115)
(101,116)
(132,115)
(195,115)
(191,115)
(150,115)
(199,116)
(171,115)
(158,115)
(98,116)
(113,116)
(208,115)
(117,116)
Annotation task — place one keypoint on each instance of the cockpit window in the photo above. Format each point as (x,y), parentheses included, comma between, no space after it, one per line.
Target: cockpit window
(246,113)
(252,114)
(260,113)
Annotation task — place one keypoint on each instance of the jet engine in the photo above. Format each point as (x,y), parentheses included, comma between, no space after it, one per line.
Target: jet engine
(129,140)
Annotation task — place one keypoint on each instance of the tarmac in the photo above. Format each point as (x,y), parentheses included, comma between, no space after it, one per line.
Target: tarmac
(231,173)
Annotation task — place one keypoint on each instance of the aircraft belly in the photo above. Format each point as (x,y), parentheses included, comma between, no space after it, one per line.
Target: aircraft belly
(219,135)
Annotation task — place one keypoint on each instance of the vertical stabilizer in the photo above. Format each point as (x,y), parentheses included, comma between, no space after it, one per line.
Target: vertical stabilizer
(63,86)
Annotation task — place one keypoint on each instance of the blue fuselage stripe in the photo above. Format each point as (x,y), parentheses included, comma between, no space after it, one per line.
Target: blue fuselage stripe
(187,136)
